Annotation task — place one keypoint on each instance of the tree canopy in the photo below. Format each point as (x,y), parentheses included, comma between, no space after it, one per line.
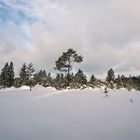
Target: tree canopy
(66,60)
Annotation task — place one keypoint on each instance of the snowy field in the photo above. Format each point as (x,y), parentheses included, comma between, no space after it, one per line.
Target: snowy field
(47,114)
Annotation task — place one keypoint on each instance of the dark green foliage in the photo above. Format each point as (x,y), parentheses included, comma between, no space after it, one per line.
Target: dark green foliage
(40,77)
(50,80)
(17,83)
(64,79)
(0,82)
(118,82)
(26,76)
(65,61)
(136,82)
(11,75)
(60,81)
(23,75)
(71,79)
(47,80)
(123,80)
(110,76)
(37,78)
(7,75)
(80,79)
(129,83)
(30,72)
(110,79)
(93,81)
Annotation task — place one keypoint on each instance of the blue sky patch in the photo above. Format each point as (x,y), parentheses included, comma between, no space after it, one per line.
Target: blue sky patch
(8,14)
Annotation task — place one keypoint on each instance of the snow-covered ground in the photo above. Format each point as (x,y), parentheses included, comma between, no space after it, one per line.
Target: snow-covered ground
(48,114)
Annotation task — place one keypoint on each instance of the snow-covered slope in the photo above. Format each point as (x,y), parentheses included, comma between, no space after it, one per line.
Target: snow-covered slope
(47,114)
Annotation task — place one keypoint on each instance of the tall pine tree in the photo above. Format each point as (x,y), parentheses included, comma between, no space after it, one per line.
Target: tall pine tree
(11,75)
(118,82)
(65,61)
(30,72)
(5,76)
(93,81)
(110,79)
(80,79)
(23,75)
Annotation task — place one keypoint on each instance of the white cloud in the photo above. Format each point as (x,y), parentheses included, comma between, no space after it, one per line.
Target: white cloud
(106,33)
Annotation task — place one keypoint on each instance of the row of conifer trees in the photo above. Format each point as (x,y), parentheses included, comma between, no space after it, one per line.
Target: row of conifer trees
(65,78)
(28,77)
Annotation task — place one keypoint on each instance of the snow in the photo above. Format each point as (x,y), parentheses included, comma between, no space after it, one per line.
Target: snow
(48,114)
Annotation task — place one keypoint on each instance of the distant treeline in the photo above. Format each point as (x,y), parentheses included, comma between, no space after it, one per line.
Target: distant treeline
(65,78)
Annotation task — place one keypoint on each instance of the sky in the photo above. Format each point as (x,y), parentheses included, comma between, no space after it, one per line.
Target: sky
(105,32)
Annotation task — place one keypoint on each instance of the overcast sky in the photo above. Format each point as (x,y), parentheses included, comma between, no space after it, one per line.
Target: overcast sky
(105,32)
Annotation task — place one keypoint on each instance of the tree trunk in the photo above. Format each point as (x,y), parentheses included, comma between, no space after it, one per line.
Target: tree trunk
(30,88)
(68,74)
(30,82)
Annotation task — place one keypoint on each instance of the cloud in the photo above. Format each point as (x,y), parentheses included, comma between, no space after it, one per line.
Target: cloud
(106,33)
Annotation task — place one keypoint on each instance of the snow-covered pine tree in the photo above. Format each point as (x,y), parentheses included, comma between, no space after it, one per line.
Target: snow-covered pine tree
(92,82)
(110,79)
(23,75)
(37,78)
(30,72)
(11,75)
(136,82)
(129,83)
(80,79)
(123,80)
(0,82)
(60,81)
(17,82)
(40,77)
(49,80)
(118,82)
(44,78)
(5,76)
(71,76)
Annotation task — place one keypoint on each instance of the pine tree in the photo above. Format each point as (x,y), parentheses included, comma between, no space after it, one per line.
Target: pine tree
(118,82)
(80,80)
(129,83)
(30,72)
(100,83)
(93,81)
(5,76)
(123,79)
(37,78)
(71,77)
(65,61)
(137,83)
(44,79)
(11,75)
(0,82)
(40,77)
(59,80)
(49,80)
(23,75)
(17,82)
(110,79)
